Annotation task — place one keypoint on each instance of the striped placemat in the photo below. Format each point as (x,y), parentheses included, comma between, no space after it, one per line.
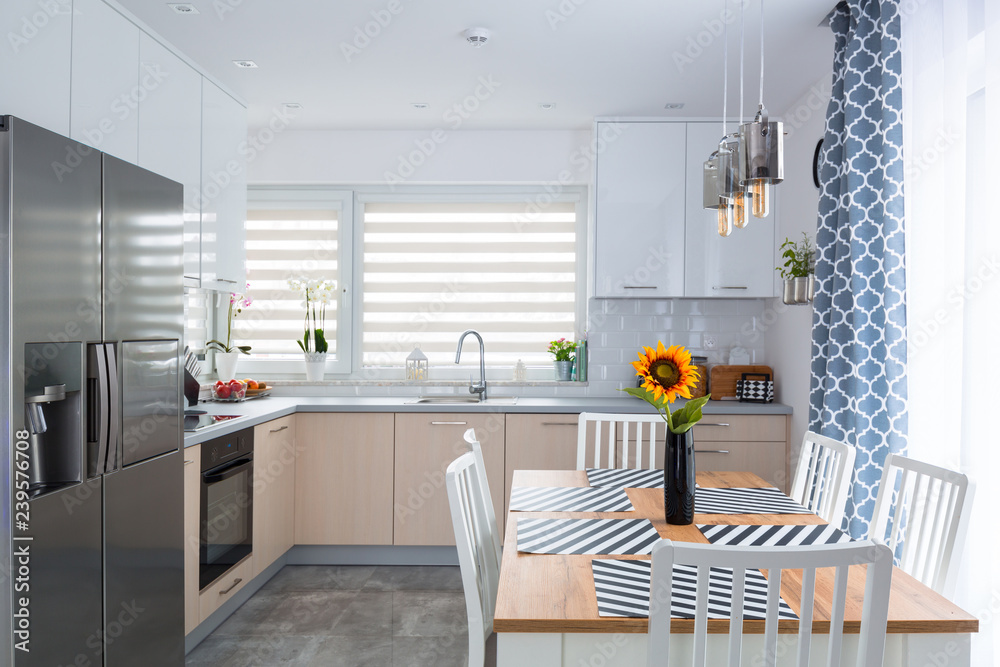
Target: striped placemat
(586,536)
(622,588)
(773,536)
(745,501)
(625,478)
(568,499)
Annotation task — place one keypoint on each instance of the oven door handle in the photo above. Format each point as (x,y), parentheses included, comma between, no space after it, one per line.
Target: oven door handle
(225,472)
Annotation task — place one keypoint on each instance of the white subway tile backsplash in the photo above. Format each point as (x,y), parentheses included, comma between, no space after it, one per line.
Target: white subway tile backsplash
(627,325)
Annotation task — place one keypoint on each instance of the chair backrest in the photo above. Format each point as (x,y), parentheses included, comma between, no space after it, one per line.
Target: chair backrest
(468,498)
(641,435)
(871,643)
(491,517)
(823,476)
(920,513)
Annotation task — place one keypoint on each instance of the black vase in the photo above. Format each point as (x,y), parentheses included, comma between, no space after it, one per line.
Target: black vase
(678,478)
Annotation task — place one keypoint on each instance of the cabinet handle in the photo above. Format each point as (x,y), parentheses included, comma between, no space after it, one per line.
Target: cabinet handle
(188,462)
(239,580)
(279,429)
(711,451)
(718,287)
(560,423)
(639,287)
(226,280)
(718,424)
(449,423)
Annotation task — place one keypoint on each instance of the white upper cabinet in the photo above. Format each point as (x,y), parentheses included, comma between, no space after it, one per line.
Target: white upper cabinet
(35,62)
(106,82)
(223,190)
(170,135)
(639,209)
(741,265)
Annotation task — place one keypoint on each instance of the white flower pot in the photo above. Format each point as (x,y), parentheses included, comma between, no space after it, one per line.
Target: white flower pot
(315,366)
(225,365)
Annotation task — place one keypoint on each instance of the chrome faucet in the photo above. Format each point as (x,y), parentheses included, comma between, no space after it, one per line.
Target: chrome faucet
(481,387)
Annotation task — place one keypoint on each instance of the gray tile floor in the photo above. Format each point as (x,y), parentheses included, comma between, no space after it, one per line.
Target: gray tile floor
(339,616)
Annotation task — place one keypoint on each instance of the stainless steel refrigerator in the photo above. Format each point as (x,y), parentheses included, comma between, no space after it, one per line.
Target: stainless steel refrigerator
(92,308)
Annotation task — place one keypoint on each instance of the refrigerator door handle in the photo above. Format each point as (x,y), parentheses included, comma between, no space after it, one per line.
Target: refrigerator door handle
(113,462)
(98,404)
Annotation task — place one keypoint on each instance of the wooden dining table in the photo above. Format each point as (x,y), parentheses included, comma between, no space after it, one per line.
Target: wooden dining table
(546,611)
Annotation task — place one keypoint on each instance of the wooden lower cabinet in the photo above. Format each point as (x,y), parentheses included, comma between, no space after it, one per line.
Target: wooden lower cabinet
(426,443)
(192,537)
(273,491)
(343,478)
(225,587)
(539,442)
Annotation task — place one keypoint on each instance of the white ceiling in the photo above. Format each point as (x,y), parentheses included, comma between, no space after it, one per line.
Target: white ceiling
(589,57)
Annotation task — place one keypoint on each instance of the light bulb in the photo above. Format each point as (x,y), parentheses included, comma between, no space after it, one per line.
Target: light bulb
(725,217)
(740,217)
(761,196)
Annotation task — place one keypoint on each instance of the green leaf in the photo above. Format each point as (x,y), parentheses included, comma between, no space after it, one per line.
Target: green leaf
(321,344)
(216,345)
(688,415)
(245,349)
(301,346)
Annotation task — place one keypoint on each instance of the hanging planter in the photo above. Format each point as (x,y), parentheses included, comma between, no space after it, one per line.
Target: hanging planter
(797,271)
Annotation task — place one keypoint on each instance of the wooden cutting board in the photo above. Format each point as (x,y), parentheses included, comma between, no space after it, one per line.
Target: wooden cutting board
(722,379)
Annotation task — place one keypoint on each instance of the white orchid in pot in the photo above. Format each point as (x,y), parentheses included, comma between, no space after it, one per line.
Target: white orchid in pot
(318,295)
(227,353)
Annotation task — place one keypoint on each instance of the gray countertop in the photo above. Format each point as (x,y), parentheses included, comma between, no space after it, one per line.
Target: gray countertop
(260,410)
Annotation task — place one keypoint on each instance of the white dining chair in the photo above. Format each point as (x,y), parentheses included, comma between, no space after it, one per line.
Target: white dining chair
(597,434)
(871,642)
(478,552)
(491,517)
(920,513)
(823,476)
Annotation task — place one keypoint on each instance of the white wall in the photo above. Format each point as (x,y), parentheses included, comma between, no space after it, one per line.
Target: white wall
(421,156)
(788,329)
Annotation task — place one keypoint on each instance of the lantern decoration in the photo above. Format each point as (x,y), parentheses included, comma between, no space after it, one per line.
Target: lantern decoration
(416,365)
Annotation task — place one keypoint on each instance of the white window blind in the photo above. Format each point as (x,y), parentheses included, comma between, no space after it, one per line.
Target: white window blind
(285,244)
(433,270)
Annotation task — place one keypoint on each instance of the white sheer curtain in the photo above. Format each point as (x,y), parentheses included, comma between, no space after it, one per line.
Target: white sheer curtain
(951,102)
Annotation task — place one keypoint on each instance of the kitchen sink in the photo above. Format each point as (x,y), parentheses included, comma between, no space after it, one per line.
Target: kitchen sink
(461,400)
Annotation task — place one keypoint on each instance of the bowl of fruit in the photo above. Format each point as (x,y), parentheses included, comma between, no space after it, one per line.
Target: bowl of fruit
(256,387)
(234,390)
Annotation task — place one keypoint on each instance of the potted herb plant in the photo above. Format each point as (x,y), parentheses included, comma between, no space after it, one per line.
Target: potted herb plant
(798,269)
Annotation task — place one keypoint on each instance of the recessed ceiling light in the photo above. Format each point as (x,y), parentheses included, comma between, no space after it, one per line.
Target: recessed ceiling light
(547,105)
(183,8)
(245,64)
(419,105)
(291,105)
(673,105)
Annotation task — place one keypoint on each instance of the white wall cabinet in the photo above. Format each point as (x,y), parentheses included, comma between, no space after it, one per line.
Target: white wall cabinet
(170,135)
(106,80)
(741,265)
(639,209)
(223,190)
(35,62)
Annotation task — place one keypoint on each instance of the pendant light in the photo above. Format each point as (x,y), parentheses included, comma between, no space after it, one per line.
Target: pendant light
(727,163)
(762,164)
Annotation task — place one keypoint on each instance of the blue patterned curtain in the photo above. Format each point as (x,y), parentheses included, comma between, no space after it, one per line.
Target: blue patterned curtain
(858,383)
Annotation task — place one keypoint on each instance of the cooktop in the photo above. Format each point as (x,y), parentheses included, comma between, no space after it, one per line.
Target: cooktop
(198,419)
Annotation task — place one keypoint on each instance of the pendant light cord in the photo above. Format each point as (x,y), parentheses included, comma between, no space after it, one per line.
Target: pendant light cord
(742,54)
(762,53)
(725,77)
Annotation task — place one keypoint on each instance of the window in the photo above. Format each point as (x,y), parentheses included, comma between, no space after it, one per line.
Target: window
(294,235)
(431,270)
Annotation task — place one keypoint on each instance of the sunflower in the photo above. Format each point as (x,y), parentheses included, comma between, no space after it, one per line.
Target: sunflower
(667,372)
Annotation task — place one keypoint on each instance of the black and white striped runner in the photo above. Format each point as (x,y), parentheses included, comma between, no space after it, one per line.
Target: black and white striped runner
(625,478)
(773,536)
(586,536)
(622,588)
(568,499)
(745,501)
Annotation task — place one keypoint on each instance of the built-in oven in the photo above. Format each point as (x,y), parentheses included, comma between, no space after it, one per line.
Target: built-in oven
(226,504)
